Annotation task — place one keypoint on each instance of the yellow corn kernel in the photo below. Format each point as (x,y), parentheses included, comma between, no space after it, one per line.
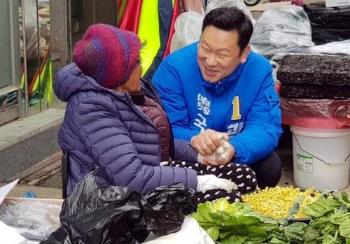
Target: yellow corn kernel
(275,202)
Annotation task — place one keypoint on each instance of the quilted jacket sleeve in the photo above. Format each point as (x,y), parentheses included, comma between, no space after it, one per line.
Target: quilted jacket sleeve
(108,142)
(184,151)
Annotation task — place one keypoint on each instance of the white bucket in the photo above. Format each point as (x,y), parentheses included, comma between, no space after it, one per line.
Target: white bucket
(321,158)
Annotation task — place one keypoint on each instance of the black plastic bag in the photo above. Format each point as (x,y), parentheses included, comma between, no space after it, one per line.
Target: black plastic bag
(322,17)
(328,24)
(95,214)
(323,36)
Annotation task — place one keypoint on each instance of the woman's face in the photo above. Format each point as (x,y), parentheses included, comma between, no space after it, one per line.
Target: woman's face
(132,85)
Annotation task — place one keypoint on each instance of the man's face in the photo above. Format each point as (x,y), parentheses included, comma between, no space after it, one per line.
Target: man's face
(219,53)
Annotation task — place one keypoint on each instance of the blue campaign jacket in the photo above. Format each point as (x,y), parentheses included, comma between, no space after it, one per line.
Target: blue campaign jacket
(244,104)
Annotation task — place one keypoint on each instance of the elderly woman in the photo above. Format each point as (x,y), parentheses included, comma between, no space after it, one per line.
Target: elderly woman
(114,122)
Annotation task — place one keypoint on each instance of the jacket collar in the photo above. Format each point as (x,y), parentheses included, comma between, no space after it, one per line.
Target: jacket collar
(219,87)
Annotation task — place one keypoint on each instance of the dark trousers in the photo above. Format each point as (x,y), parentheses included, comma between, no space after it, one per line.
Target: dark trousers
(268,171)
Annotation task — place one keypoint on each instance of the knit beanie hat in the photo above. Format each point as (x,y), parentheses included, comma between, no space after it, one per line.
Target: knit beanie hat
(107,54)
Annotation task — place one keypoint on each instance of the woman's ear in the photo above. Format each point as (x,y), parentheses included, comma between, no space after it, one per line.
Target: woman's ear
(245,54)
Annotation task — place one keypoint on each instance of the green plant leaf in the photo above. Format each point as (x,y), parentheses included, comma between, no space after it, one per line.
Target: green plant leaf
(213,232)
(321,206)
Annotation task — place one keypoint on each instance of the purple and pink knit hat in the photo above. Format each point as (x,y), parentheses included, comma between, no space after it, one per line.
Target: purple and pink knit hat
(107,54)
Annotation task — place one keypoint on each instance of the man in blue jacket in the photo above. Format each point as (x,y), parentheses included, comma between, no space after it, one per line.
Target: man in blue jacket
(219,90)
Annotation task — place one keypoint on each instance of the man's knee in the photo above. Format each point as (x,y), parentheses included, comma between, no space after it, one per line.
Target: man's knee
(268,171)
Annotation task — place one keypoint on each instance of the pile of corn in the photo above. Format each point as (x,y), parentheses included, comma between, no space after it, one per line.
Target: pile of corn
(275,202)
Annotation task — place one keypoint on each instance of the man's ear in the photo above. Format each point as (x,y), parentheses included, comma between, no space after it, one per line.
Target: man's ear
(245,54)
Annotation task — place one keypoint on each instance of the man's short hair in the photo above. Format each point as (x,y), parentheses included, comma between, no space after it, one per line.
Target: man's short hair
(230,19)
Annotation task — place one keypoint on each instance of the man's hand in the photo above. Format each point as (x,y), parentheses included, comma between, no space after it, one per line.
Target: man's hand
(208,141)
(223,155)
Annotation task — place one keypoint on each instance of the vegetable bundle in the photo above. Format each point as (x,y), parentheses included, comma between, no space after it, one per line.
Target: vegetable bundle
(239,223)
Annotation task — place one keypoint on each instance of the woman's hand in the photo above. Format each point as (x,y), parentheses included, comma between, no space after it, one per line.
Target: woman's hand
(211,182)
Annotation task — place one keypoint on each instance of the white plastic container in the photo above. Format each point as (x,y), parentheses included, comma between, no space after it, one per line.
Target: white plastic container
(321,158)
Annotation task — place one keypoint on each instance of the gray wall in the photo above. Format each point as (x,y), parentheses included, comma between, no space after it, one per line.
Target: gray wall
(21,156)
(9,44)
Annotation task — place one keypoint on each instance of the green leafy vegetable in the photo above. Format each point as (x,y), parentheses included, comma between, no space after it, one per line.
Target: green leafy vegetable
(237,223)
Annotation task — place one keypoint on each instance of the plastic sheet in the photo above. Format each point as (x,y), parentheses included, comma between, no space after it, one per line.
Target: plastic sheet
(230,3)
(281,29)
(334,48)
(34,220)
(190,232)
(311,113)
(97,214)
(188,27)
